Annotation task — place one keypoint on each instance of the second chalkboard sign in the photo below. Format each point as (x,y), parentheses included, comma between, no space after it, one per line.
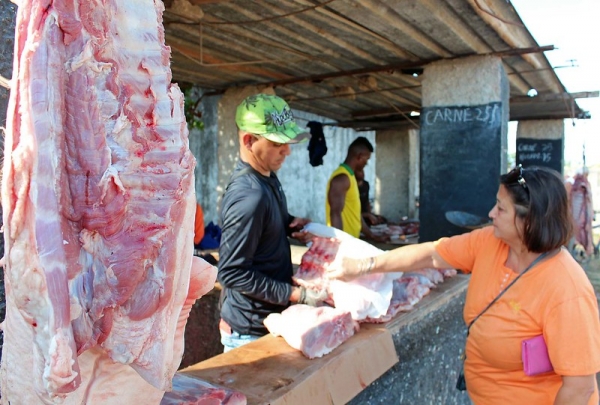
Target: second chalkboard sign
(540,152)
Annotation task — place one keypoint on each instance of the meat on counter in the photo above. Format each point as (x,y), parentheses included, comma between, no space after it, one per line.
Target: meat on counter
(313,331)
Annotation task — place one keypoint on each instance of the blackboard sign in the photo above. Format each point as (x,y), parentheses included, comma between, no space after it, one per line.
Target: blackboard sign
(540,152)
(460,164)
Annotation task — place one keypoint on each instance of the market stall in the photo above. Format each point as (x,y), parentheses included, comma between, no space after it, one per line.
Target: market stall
(269,371)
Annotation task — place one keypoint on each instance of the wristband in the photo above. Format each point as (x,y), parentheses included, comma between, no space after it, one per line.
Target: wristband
(367,266)
(302,299)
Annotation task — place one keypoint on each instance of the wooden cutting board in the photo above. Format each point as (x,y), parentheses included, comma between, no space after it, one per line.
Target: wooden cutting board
(269,371)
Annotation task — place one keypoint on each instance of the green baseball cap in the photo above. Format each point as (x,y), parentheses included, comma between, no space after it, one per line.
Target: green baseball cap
(270,117)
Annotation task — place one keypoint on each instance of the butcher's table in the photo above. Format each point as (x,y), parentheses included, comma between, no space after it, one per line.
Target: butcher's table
(269,371)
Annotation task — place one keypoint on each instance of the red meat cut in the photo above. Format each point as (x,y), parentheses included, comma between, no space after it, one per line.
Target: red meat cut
(98,202)
(313,331)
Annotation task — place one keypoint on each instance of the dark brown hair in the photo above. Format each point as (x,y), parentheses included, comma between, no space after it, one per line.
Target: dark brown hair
(540,199)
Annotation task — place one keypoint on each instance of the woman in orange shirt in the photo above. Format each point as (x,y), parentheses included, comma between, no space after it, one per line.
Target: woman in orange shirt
(553,299)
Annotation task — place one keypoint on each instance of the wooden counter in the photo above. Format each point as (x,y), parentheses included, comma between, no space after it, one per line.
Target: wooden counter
(269,371)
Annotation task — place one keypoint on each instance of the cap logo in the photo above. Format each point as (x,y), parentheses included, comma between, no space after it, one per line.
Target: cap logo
(280,118)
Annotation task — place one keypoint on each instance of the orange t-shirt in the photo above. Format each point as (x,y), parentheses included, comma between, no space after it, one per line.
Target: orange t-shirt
(554,298)
(198,225)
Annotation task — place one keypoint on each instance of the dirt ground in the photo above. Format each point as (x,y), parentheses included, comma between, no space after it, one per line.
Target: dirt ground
(592,268)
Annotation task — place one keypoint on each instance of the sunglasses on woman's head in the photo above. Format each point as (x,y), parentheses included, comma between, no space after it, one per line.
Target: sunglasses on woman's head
(516,176)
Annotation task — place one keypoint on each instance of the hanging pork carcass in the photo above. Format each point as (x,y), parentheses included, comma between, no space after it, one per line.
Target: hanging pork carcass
(98,205)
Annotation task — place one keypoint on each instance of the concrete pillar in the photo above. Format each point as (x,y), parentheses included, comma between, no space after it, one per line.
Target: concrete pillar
(464,124)
(541,143)
(413,173)
(228,149)
(204,146)
(392,193)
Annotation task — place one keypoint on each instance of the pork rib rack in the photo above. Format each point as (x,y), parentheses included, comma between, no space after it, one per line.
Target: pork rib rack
(98,200)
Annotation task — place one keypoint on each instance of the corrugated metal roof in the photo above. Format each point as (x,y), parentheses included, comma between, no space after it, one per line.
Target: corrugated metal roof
(356,61)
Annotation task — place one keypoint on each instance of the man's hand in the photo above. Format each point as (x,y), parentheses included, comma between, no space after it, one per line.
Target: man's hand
(299,223)
(300,235)
(312,297)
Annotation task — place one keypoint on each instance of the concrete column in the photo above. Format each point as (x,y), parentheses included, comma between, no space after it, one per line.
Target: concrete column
(464,125)
(228,150)
(413,173)
(541,143)
(392,193)
(204,146)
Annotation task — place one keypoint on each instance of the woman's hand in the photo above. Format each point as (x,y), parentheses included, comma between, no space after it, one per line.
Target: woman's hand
(348,269)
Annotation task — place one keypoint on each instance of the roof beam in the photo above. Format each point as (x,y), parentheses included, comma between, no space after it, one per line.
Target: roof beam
(383,112)
(250,31)
(502,17)
(448,16)
(554,97)
(547,97)
(390,17)
(191,51)
(408,65)
(328,17)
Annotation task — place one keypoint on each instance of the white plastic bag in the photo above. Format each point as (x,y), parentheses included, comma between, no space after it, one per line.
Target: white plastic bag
(366,296)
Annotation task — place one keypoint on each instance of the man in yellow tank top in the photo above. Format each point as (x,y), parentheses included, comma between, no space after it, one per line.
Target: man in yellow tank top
(342,206)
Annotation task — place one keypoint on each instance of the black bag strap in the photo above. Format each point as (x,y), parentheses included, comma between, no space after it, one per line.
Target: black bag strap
(536,261)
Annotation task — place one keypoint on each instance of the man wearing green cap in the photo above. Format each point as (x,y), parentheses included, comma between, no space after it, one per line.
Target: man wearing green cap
(255,266)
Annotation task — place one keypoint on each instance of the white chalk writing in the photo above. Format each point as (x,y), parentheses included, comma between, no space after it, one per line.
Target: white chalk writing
(535,151)
(488,114)
(539,156)
(527,147)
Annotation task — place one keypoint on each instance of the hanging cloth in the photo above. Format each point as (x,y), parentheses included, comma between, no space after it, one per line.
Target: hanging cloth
(317,148)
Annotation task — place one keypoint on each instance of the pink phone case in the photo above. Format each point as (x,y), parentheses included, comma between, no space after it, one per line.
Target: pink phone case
(534,353)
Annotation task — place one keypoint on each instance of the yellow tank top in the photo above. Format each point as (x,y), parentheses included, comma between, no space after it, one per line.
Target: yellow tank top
(351,216)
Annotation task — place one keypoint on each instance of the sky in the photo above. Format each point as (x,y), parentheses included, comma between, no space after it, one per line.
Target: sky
(572,26)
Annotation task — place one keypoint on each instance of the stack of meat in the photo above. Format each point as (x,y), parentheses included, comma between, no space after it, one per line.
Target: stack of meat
(98,201)
(364,297)
(371,298)
(404,231)
(410,289)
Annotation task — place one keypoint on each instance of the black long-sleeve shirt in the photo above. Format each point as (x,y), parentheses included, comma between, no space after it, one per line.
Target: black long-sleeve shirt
(255,266)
